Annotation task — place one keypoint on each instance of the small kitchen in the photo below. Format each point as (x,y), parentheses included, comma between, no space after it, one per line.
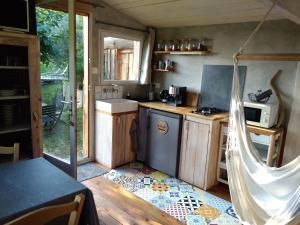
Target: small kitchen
(175,120)
(164,112)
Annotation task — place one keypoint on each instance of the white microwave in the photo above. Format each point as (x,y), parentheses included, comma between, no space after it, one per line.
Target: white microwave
(261,115)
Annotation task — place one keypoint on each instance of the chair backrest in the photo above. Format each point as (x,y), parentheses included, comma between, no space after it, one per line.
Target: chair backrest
(47,214)
(14,150)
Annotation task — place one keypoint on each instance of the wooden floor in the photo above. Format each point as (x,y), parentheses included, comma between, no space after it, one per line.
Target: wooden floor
(115,205)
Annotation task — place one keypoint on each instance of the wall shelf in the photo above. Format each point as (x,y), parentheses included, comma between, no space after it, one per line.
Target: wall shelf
(14,67)
(162,70)
(183,52)
(15,97)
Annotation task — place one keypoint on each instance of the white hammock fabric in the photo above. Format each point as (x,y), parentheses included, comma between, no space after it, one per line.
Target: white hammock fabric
(260,194)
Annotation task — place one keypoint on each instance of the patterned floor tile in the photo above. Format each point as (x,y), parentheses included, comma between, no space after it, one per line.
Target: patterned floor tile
(159,175)
(195,220)
(208,212)
(147,180)
(185,188)
(175,195)
(159,187)
(161,202)
(178,211)
(189,204)
(225,219)
(218,203)
(230,211)
(146,193)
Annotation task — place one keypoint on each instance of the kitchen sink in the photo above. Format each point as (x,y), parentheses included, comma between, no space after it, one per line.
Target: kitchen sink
(116,105)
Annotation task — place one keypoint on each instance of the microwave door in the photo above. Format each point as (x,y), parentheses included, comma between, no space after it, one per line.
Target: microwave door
(253,115)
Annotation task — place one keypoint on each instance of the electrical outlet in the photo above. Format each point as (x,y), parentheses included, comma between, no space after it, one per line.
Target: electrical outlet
(156,85)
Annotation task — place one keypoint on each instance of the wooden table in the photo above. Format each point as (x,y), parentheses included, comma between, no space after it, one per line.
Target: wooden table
(31,184)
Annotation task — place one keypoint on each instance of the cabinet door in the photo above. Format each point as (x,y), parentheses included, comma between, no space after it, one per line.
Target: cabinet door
(201,159)
(130,137)
(118,140)
(123,150)
(194,153)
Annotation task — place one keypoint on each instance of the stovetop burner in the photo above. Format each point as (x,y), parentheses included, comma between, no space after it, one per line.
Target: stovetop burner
(208,111)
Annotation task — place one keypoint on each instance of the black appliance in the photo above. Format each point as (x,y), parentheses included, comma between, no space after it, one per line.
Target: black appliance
(208,111)
(14,15)
(159,140)
(163,95)
(177,96)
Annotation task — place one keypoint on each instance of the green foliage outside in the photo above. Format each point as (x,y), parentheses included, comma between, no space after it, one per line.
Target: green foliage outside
(52,28)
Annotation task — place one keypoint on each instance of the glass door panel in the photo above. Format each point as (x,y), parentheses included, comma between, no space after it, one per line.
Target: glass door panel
(58,82)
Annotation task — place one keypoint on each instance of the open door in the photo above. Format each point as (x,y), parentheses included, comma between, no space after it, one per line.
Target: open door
(59,88)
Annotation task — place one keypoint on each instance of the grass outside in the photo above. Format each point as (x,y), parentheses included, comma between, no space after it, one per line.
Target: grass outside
(57,141)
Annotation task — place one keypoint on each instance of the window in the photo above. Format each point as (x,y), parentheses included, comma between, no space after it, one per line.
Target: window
(120,57)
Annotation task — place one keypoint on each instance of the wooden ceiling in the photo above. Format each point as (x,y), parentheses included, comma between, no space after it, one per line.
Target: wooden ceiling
(179,13)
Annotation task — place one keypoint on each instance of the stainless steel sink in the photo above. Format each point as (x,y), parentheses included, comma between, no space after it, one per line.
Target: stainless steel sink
(116,105)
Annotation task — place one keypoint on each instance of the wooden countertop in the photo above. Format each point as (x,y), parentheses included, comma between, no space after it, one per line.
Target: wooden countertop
(183,110)
(260,130)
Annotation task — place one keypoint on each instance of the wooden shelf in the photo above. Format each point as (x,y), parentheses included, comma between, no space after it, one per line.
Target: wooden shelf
(270,57)
(223,181)
(14,128)
(183,52)
(162,70)
(15,97)
(14,67)
(222,165)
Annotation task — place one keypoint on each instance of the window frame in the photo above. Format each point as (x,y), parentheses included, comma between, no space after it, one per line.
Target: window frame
(134,36)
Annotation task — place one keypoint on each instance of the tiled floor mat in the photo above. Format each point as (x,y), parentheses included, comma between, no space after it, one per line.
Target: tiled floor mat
(189,204)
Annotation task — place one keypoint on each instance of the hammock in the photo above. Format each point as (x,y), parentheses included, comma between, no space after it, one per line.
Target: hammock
(260,194)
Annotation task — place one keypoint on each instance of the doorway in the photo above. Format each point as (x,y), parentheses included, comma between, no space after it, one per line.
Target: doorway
(61,136)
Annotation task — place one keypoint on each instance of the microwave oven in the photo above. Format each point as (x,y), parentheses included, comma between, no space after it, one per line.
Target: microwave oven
(261,115)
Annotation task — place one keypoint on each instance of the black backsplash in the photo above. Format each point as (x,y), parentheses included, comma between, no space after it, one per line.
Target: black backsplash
(217,84)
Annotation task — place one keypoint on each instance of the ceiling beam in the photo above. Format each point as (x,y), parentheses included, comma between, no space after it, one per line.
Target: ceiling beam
(287,8)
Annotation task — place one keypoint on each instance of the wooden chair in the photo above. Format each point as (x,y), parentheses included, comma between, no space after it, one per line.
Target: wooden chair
(47,214)
(11,151)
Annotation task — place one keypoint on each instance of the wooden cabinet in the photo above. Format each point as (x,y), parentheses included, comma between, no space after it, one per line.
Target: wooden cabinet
(199,152)
(115,144)
(20,109)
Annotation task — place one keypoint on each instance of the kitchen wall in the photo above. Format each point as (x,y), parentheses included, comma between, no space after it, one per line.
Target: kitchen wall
(112,16)
(274,37)
(292,149)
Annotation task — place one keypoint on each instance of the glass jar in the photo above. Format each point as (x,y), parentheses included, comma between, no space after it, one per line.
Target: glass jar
(175,45)
(202,45)
(160,45)
(168,46)
(183,45)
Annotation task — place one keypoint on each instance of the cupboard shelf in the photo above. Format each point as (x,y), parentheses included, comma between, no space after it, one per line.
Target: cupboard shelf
(183,52)
(14,67)
(14,128)
(15,97)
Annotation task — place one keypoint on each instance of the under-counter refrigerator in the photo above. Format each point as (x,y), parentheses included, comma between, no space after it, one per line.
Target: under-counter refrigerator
(160,139)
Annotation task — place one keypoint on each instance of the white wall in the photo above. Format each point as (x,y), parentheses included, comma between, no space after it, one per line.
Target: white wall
(292,146)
